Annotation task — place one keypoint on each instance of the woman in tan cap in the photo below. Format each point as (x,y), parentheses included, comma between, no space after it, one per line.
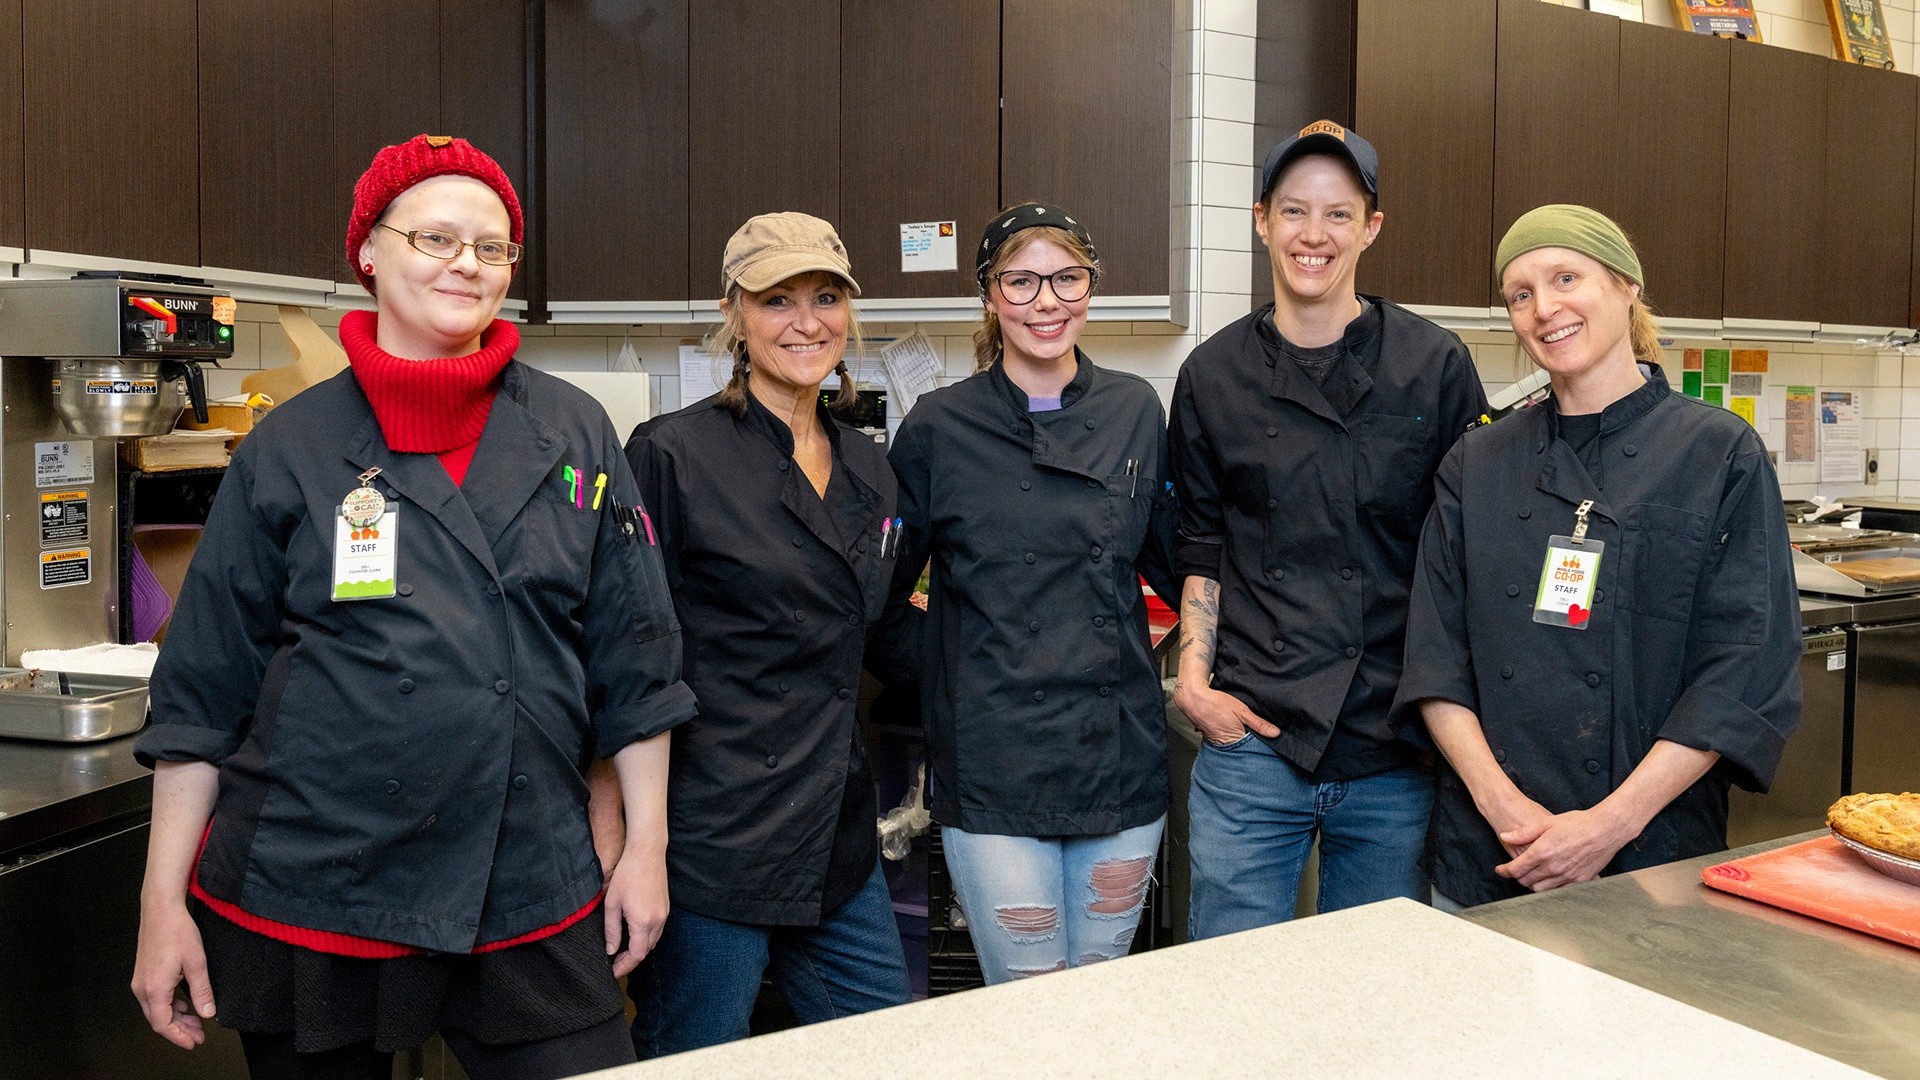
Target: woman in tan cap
(1604,633)
(776,521)
(367,829)
(1038,488)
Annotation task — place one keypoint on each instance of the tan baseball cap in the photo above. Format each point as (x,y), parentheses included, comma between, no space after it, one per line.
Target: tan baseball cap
(771,248)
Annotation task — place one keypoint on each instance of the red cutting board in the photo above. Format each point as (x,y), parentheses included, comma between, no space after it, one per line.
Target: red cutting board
(1821,878)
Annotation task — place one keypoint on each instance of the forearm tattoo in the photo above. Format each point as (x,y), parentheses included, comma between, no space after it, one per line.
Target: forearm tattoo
(1200,623)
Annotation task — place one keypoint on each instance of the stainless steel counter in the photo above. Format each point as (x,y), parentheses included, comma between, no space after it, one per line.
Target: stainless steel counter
(1837,992)
(48,789)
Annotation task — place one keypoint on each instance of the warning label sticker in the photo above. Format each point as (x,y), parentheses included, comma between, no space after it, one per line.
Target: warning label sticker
(59,569)
(63,518)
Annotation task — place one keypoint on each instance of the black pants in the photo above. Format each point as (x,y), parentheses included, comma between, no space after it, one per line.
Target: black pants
(603,1046)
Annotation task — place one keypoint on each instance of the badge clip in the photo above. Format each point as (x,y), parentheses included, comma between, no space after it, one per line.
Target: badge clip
(1580,522)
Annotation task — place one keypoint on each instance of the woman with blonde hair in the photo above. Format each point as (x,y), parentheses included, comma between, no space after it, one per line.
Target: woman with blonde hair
(1604,633)
(777,526)
(1038,489)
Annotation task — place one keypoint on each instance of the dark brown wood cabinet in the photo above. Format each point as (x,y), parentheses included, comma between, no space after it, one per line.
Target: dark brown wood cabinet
(919,131)
(1424,97)
(1776,153)
(1087,87)
(1866,252)
(763,121)
(112,128)
(266,142)
(1556,110)
(483,91)
(1301,74)
(1672,164)
(386,87)
(13,165)
(616,152)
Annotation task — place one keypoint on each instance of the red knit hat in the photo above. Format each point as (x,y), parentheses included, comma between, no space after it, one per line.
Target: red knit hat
(397,168)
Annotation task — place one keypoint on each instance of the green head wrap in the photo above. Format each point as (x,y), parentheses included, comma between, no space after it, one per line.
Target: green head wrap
(1576,228)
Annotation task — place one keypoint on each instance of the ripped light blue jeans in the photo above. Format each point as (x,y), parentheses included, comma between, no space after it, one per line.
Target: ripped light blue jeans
(1036,904)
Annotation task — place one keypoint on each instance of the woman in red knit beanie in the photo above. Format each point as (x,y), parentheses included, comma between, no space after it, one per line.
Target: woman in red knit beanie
(425,600)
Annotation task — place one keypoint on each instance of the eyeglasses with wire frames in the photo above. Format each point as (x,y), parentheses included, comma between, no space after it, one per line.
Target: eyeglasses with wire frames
(441,246)
(1069,284)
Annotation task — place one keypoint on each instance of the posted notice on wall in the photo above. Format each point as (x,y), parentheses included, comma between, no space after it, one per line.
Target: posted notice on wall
(1799,414)
(913,368)
(927,245)
(1842,455)
(701,376)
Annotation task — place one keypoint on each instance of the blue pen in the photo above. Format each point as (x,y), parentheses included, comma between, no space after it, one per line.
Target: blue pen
(899,530)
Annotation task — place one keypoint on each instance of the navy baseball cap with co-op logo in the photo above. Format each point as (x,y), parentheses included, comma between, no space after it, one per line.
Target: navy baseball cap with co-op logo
(1323,137)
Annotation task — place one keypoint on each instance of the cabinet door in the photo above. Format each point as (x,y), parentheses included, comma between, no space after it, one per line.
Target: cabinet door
(13,165)
(1868,209)
(1424,97)
(386,87)
(1776,150)
(1088,125)
(483,93)
(763,121)
(1301,74)
(920,120)
(1673,164)
(112,128)
(1556,110)
(616,152)
(266,203)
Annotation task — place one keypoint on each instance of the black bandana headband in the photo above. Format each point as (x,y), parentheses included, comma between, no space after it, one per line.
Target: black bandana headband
(1029,216)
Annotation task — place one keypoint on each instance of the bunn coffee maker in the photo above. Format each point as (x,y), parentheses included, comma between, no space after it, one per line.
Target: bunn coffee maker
(84,362)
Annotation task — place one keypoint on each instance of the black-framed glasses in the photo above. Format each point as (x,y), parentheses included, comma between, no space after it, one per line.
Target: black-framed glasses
(441,246)
(1069,283)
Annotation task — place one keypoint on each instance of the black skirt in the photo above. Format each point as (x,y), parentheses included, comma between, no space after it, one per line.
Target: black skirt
(554,986)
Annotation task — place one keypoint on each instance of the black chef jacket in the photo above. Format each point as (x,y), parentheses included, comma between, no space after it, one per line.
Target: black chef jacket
(1305,504)
(1042,703)
(770,802)
(1694,636)
(410,769)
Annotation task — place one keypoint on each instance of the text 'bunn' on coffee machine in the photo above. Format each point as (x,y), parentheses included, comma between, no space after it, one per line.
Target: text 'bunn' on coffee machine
(84,362)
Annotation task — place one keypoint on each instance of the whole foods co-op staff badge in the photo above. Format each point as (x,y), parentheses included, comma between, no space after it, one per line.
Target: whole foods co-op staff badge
(1565,597)
(365,544)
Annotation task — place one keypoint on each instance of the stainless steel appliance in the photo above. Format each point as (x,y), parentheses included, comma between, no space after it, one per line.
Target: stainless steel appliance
(1883,746)
(84,361)
(1811,772)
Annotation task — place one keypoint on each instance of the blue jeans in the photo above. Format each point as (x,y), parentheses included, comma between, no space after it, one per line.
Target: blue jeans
(697,987)
(1040,904)
(1252,818)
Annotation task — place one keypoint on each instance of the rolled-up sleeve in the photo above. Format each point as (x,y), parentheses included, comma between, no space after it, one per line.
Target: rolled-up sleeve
(630,635)
(1196,483)
(225,628)
(1439,661)
(1742,695)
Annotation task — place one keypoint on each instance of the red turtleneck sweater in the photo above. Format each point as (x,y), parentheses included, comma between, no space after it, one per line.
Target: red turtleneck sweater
(429,406)
(423,407)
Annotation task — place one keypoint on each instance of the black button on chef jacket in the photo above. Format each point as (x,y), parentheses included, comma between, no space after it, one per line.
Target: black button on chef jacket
(779,592)
(411,769)
(1694,634)
(1042,703)
(1304,502)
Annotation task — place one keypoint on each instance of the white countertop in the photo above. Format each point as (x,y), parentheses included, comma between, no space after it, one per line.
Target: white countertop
(1391,989)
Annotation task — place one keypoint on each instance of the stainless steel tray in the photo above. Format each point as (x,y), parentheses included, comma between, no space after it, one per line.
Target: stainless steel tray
(71,706)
